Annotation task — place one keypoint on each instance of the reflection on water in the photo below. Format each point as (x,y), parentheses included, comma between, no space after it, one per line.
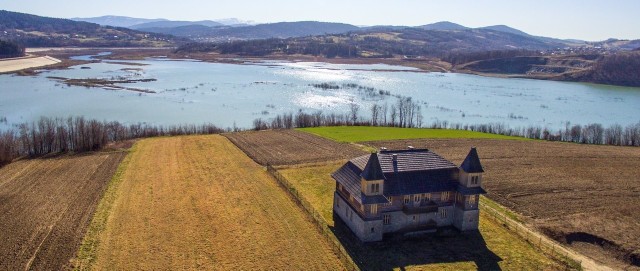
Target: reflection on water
(224,94)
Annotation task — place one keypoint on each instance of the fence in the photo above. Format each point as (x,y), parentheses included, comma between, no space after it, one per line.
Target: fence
(542,243)
(317,219)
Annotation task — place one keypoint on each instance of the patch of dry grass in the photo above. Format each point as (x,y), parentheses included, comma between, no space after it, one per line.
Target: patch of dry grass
(198,202)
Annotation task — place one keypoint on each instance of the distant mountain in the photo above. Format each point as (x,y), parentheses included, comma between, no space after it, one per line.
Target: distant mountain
(170,24)
(235,22)
(506,29)
(117,21)
(443,26)
(261,31)
(36,31)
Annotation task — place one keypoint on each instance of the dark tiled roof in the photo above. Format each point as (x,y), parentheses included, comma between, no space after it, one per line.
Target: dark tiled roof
(349,176)
(412,160)
(378,199)
(471,190)
(372,170)
(472,164)
(405,183)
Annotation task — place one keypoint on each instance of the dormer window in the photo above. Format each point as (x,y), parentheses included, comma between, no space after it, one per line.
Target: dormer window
(475,180)
(375,188)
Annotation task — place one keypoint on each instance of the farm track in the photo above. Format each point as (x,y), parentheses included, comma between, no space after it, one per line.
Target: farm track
(563,190)
(46,206)
(289,147)
(200,203)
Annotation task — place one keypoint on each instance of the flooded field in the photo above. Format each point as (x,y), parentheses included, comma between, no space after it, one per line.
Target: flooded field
(164,92)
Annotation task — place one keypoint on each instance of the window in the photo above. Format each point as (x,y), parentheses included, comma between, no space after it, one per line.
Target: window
(406,199)
(427,197)
(443,213)
(474,180)
(373,229)
(415,218)
(374,209)
(444,196)
(416,198)
(376,188)
(386,219)
(471,200)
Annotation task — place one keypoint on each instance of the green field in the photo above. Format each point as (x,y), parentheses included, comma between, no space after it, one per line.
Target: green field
(368,133)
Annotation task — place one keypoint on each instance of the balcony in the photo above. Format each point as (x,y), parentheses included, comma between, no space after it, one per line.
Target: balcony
(427,207)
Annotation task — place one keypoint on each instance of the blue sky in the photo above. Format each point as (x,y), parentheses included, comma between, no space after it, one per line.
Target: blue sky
(587,19)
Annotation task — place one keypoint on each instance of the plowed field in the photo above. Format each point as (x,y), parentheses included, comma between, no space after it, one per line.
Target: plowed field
(46,206)
(584,195)
(289,147)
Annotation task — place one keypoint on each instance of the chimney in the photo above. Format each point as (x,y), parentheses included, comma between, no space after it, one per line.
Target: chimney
(395,163)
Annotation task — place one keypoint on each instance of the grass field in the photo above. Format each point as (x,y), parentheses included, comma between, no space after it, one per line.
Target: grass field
(492,248)
(368,133)
(46,206)
(200,203)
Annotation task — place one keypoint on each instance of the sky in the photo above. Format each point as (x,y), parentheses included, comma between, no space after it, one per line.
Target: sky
(587,19)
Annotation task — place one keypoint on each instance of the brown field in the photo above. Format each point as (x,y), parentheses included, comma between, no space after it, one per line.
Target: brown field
(288,147)
(200,203)
(46,206)
(583,195)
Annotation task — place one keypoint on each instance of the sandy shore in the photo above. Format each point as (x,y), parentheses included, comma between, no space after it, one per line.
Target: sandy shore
(16,64)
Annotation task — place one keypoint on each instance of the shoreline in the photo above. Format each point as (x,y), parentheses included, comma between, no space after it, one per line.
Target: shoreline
(28,62)
(425,65)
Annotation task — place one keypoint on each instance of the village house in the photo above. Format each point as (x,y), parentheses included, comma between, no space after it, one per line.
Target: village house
(407,191)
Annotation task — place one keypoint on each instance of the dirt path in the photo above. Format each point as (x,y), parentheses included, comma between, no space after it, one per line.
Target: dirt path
(200,203)
(16,64)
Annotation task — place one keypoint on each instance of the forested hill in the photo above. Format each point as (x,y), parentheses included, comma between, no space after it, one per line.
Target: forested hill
(383,43)
(200,31)
(37,31)
(10,49)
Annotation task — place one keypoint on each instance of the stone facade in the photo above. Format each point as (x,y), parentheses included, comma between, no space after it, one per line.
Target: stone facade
(373,198)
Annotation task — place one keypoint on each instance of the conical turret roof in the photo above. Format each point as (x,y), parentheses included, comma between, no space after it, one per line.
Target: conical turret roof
(372,171)
(472,164)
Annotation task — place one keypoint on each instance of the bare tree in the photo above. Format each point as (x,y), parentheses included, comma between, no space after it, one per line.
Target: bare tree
(353,112)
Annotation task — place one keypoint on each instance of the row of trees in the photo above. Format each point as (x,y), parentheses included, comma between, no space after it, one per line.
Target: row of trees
(57,135)
(406,113)
(10,49)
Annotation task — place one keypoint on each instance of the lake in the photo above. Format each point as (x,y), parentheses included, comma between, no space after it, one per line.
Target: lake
(226,94)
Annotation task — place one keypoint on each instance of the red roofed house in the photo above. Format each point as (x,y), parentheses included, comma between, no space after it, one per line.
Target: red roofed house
(407,191)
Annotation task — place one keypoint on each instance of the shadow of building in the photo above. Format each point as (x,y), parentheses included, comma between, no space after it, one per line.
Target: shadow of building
(448,245)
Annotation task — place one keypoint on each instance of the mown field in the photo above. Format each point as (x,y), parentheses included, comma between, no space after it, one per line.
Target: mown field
(200,203)
(46,206)
(583,195)
(492,248)
(368,133)
(286,147)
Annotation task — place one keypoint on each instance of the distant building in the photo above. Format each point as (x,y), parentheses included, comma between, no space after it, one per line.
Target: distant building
(407,191)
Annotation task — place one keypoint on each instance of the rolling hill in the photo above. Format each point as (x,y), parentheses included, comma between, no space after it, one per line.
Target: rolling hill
(171,24)
(117,21)
(36,31)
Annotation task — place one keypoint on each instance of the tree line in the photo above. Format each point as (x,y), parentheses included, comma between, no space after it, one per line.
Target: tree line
(78,134)
(10,49)
(406,113)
